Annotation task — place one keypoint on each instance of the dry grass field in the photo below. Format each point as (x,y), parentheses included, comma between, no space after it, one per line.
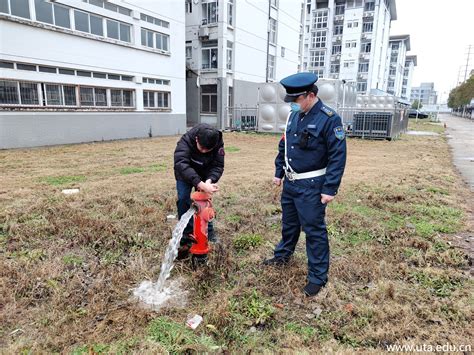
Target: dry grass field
(68,263)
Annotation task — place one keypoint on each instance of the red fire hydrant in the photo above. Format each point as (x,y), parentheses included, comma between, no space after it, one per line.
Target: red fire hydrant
(202,202)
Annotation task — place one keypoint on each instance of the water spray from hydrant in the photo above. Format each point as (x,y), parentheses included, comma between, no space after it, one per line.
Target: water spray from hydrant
(155,294)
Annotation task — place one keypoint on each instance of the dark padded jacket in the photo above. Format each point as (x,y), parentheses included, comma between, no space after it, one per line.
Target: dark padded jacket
(192,166)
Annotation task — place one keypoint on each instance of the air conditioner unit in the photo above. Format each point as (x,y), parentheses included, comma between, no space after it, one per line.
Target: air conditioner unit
(203,32)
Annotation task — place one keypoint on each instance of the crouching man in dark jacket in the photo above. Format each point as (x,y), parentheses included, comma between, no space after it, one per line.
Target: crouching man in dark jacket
(198,163)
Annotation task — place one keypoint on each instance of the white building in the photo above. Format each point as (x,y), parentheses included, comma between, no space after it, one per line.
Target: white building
(396,54)
(231,47)
(75,71)
(348,39)
(425,93)
(410,64)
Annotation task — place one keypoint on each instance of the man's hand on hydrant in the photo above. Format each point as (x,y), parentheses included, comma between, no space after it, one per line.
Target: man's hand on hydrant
(208,186)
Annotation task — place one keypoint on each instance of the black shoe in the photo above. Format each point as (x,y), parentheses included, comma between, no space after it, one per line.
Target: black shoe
(276,261)
(212,237)
(198,261)
(311,290)
(183,252)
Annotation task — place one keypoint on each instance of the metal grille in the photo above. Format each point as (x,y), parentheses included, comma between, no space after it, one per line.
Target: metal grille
(375,124)
(242,118)
(9,92)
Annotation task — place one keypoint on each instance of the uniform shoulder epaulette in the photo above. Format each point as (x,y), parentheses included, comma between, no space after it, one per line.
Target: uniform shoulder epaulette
(327,111)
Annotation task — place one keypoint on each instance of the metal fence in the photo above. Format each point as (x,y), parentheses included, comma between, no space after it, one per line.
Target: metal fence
(242,118)
(376,123)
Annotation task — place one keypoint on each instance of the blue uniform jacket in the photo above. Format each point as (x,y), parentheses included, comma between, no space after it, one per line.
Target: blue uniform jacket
(315,141)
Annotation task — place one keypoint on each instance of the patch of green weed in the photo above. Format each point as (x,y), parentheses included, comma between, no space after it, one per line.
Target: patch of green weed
(132,170)
(247,241)
(62,180)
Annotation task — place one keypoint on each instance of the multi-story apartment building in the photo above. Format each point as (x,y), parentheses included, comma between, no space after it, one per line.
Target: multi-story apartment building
(409,67)
(75,71)
(348,39)
(396,54)
(234,45)
(425,93)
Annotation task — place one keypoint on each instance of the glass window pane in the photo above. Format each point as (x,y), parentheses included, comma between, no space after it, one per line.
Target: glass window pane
(145,99)
(4,6)
(53,95)
(160,99)
(66,71)
(158,41)
(8,65)
(47,69)
(124,11)
(124,33)
(100,97)
(143,37)
(84,73)
(165,101)
(86,96)
(100,75)
(61,16)
(99,3)
(205,103)
(214,103)
(112,29)
(127,98)
(29,93)
(26,67)
(82,21)
(149,39)
(152,99)
(116,97)
(69,95)
(114,77)
(44,11)
(8,92)
(110,6)
(97,25)
(20,8)
(165,42)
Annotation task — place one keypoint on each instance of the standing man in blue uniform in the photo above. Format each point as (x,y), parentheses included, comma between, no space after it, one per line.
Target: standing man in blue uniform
(311,157)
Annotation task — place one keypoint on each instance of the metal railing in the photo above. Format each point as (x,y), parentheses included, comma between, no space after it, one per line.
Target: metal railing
(375,123)
(242,118)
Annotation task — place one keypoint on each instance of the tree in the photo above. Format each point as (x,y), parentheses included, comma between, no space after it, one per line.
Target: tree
(414,105)
(462,94)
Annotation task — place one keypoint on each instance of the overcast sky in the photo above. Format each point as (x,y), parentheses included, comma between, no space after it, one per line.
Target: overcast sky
(440,33)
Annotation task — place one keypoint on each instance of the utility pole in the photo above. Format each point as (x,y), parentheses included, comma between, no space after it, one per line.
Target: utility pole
(467,62)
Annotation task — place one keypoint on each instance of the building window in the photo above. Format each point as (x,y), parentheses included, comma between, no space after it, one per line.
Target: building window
(156,99)
(349,63)
(271,66)
(336,49)
(52,14)
(366,47)
(118,30)
(362,86)
(154,20)
(209,58)
(316,58)
(320,19)
(155,40)
(354,3)
(230,12)
(69,92)
(391,84)
(351,44)
(395,46)
(230,47)
(393,58)
(392,72)
(18,8)
(352,24)
(335,68)
(369,6)
(367,27)
(340,9)
(189,6)
(29,93)
(109,6)
(404,82)
(318,39)
(273,31)
(189,52)
(9,92)
(338,29)
(282,52)
(363,67)
(210,13)
(53,94)
(209,98)
(121,98)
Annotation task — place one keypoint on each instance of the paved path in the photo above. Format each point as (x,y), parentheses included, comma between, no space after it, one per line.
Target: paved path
(460,133)
(461,138)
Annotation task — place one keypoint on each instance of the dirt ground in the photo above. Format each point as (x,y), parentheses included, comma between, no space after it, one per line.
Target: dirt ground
(69,263)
